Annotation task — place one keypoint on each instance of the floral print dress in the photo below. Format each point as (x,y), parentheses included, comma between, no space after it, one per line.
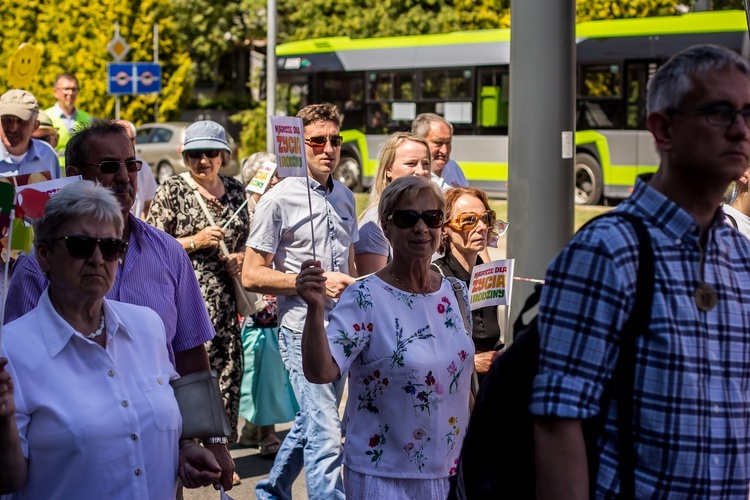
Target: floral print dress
(410,360)
(176,211)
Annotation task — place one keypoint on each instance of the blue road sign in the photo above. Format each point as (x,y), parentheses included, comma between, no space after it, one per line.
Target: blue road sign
(134,78)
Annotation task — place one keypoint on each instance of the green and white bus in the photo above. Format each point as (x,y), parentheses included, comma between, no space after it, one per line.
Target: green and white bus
(381,84)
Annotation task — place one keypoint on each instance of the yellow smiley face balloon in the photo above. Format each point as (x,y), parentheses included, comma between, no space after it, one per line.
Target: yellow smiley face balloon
(23,66)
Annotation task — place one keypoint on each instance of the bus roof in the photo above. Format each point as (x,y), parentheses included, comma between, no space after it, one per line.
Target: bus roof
(342,53)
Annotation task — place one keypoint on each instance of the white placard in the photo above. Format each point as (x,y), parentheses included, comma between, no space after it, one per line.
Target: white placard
(261,179)
(491,284)
(403,111)
(457,112)
(289,146)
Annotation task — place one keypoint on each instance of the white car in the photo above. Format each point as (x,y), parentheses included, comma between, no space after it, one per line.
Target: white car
(159,144)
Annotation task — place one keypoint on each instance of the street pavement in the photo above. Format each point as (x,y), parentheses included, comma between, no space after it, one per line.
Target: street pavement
(252,468)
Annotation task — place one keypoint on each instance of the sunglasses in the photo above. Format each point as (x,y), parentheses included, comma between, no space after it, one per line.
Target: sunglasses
(409,218)
(320,141)
(469,220)
(197,154)
(113,166)
(81,247)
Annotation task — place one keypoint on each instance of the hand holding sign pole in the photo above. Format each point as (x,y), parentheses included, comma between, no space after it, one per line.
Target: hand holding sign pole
(291,159)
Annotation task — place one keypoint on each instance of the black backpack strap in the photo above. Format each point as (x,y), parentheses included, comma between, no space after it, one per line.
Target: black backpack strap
(623,377)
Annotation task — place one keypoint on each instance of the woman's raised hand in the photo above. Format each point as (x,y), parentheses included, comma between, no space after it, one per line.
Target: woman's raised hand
(311,284)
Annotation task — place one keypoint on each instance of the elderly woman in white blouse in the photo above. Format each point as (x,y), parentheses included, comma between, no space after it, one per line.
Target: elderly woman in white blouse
(86,408)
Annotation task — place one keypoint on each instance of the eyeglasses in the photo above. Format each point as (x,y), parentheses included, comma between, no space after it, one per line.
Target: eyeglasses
(68,89)
(113,166)
(320,141)
(469,220)
(409,218)
(81,247)
(197,154)
(718,115)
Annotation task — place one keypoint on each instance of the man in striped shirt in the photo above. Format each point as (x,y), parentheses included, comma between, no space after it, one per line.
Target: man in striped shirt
(155,271)
(691,402)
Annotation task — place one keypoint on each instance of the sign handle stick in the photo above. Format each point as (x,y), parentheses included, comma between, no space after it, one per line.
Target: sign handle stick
(312,227)
(226,224)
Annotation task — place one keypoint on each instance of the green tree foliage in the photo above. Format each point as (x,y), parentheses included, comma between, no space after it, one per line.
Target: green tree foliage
(213,30)
(587,10)
(73,38)
(319,18)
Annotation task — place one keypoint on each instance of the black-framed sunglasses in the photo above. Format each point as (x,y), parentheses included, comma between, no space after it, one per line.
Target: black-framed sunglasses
(409,218)
(81,247)
(113,166)
(320,141)
(197,154)
(719,115)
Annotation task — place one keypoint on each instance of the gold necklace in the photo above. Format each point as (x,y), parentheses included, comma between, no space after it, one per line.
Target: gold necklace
(390,270)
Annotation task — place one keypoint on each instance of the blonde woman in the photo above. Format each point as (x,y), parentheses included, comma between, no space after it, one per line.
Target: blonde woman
(401,155)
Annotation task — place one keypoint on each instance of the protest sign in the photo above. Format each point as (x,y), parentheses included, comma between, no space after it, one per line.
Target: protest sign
(261,179)
(491,284)
(289,146)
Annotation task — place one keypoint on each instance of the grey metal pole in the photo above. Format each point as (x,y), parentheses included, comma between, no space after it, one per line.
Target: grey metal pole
(270,72)
(156,60)
(541,137)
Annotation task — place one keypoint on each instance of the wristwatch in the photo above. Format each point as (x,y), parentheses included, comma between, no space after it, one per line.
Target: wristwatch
(192,244)
(217,440)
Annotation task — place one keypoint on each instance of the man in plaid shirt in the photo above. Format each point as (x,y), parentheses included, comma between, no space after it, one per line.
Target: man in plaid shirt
(691,403)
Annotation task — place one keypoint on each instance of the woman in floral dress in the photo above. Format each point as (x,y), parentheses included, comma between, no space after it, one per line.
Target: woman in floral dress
(400,335)
(176,210)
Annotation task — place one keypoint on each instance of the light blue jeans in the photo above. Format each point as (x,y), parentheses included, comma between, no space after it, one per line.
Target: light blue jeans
(314,441)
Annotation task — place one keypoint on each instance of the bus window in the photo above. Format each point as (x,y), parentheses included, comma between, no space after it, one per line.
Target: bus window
(452,84)
(599,97)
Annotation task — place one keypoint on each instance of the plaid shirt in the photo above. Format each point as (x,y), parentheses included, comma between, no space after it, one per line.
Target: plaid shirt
(692,394)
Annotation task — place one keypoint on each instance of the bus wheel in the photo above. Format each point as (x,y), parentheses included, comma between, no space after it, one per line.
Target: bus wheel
(588,178)
(348,173)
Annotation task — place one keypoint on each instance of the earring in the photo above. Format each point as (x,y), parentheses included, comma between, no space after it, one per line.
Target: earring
(119,261)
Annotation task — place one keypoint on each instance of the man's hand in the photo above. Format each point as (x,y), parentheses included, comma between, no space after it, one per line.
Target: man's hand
(224,459)
(336,283)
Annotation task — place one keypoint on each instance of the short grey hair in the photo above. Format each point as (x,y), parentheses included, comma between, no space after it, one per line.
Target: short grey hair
(75,201)
(406,189)
(423,122)
(674,80)
(252,163)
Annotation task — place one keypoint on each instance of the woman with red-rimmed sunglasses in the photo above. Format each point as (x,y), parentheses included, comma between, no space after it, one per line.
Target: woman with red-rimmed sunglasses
(470,225)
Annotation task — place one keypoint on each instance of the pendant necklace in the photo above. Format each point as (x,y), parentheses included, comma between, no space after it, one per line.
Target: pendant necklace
(705,295)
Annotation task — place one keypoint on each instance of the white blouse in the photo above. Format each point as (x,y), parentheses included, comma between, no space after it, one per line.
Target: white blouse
(410,360)
(94,423)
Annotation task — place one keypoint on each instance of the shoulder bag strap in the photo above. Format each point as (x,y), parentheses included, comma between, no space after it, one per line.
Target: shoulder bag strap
(458,291)
(194,186)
